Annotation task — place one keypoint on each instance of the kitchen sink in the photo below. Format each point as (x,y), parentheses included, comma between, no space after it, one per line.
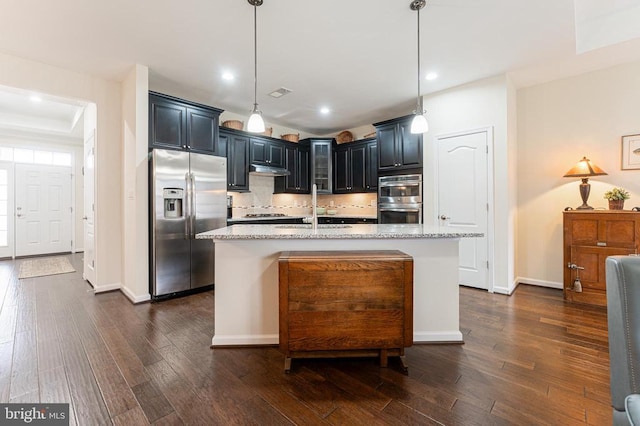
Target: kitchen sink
(308,226)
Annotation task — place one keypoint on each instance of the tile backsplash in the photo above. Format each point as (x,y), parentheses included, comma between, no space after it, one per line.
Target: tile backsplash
(261,199)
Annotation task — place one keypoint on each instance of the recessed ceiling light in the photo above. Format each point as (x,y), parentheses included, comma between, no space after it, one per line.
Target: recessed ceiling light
(431,76)
(325,110)
(227,76)
(35,98)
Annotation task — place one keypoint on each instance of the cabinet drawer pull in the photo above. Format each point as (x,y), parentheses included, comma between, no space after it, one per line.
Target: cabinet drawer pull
(601,243)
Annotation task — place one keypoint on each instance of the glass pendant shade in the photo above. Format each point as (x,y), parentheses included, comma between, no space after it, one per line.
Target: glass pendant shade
(419,124)
(255,123)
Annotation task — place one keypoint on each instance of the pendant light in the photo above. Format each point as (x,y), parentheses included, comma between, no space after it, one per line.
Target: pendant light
(255,123)
(419,123)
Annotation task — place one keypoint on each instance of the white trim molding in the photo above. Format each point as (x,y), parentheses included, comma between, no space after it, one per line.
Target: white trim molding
(453,336)
(135,299)
(539,283)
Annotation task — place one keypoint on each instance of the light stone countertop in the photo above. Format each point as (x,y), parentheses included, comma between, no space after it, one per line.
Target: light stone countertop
(363,231)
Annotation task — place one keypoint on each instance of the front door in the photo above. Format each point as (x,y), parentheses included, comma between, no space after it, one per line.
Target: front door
(463,198)
(42,209)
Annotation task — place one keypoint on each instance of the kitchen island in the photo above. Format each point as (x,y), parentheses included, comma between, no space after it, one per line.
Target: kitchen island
(246,274)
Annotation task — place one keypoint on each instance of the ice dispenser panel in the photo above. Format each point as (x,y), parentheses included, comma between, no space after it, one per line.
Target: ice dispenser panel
(173,200)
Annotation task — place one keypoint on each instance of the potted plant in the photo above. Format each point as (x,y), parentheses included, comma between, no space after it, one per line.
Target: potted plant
(616,198)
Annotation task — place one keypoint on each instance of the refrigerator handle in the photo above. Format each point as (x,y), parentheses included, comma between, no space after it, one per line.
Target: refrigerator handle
(192,206)
(187,206)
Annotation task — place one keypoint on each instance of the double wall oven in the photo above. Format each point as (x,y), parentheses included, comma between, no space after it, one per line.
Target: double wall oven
(400,199)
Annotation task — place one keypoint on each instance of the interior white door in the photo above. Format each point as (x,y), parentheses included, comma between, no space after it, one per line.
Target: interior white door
(6,209)
(43,209)
(463,198)
(89,268)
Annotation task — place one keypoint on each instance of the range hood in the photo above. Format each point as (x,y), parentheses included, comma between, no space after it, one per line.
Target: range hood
(262,170)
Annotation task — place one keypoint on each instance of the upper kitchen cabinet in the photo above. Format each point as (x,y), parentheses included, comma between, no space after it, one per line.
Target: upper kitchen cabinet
(267,152)
(355,167)
(349,168)
(297,162)
(321,150)
(237,148)
(178,124)
(398,148)
(371,166)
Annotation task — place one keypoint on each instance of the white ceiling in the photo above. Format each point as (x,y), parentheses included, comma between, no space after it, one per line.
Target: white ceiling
(22,111)
(358,57)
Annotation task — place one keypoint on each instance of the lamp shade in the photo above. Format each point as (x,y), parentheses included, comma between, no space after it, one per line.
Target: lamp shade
(419,124)
(585,168)
(255,123)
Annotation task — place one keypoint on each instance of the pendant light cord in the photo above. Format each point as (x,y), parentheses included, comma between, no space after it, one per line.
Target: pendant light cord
(418,102)
(255,57)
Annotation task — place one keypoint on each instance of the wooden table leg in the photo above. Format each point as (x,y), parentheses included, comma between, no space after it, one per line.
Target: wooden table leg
(287,364)
(384,360)
(403,364)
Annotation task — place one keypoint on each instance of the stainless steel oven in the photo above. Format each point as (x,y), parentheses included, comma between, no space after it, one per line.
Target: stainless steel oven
(400,199)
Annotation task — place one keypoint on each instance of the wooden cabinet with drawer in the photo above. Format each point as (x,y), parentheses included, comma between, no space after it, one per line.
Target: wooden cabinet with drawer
(345,303)
(589,238)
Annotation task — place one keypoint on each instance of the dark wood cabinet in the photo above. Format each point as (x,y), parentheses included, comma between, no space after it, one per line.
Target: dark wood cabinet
(178,124)
(355,167)
(324,220)
(202,132)
(321,163)
(296,161)
(352,303)
(349,168)
(398,148)
(371,167)
(589,238)
(237,149)
(267,152)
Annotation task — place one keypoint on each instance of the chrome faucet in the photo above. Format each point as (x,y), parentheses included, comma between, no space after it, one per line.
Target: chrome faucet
(314,212)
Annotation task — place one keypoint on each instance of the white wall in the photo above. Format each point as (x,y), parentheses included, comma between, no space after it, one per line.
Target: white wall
(30,75)
(135,213)
(558,123)
(480,104)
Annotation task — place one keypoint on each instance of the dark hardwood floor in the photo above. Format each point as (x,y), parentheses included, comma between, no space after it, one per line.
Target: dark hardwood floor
(528,359)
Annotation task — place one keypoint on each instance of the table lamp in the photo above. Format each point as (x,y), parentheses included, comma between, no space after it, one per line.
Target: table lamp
(585,169)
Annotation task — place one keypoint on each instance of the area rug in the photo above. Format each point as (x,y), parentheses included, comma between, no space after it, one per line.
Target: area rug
(45,266)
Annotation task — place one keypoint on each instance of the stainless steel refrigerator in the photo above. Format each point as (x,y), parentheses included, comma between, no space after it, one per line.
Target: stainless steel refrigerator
(188,196)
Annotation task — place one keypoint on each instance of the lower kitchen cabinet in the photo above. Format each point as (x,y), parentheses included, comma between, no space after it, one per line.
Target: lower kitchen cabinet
(324,220)
(589,238)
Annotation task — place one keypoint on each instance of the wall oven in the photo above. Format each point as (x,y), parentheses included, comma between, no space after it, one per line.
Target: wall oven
(400,199)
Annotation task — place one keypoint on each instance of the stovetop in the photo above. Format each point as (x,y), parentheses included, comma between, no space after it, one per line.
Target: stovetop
(265,215)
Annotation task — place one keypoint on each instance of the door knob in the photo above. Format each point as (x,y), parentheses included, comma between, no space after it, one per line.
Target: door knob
(443,217)
(84,218)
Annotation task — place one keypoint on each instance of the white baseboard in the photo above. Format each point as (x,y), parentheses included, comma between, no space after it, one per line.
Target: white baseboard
(539,283)
(505,290)
(437,337)
(244,340)
(273,339)
(135,298)
(107,287)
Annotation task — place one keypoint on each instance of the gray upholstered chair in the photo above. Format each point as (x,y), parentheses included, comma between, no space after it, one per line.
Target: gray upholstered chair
(623,313)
